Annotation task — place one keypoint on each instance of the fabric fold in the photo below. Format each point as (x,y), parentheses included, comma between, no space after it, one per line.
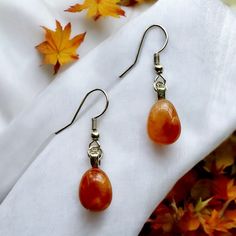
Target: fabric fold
(200,78)
(21,76)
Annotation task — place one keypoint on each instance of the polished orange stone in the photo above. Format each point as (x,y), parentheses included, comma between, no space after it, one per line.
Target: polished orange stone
(95,191)
(163,124)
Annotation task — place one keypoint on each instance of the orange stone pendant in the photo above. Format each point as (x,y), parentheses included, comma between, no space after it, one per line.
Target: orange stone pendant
(95,191)
(163,124)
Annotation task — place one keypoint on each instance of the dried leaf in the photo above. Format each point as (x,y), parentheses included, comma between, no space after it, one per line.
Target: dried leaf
(99,8)
(189,222)
(58,49)
(202,204)
(203,201)
(224,189)
(231,190)
(220,159)
(231,215)
(181,189)
(215,222)
(130,3)
(202,189)
(220,188)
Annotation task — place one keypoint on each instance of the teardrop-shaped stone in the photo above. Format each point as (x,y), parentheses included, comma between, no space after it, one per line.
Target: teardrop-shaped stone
(95,191)
(163,123)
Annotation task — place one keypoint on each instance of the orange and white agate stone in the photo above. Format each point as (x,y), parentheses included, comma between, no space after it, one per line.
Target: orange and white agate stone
(95,190)
(163,124)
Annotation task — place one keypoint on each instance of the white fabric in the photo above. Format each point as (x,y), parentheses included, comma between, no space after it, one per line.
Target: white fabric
(20,32)
(199,68)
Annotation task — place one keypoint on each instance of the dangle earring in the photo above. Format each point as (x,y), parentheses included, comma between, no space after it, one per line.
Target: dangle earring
(163,125)
(95,190)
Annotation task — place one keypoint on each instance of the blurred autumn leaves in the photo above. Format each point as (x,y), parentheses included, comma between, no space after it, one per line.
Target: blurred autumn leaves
(203,201)
(58,49)
(230,2)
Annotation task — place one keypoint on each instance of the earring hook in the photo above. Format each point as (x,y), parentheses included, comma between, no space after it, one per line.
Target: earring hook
(80,106)
(141,43)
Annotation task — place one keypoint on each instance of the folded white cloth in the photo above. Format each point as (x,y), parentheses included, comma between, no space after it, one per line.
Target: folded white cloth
(20,32)
(200,73)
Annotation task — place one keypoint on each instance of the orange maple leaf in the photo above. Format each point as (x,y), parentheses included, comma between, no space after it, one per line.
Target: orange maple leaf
(97,8)
(224,189)
(58,49)
(231,215)
(231,190)
(215,222)
(189,222)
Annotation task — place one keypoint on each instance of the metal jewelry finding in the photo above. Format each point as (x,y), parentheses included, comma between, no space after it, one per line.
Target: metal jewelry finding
(163,123)
(95,152)
(159,82)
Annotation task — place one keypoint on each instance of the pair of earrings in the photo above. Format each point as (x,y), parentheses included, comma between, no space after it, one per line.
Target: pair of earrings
(163,127)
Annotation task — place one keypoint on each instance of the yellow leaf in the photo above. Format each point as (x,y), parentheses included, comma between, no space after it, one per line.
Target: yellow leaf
(215,222)
(201,204)
(58,49)
(220,159)
(231,190)
(230,2)
(97,8)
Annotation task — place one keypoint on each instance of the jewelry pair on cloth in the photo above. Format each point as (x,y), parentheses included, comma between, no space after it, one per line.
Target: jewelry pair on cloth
(163,127)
